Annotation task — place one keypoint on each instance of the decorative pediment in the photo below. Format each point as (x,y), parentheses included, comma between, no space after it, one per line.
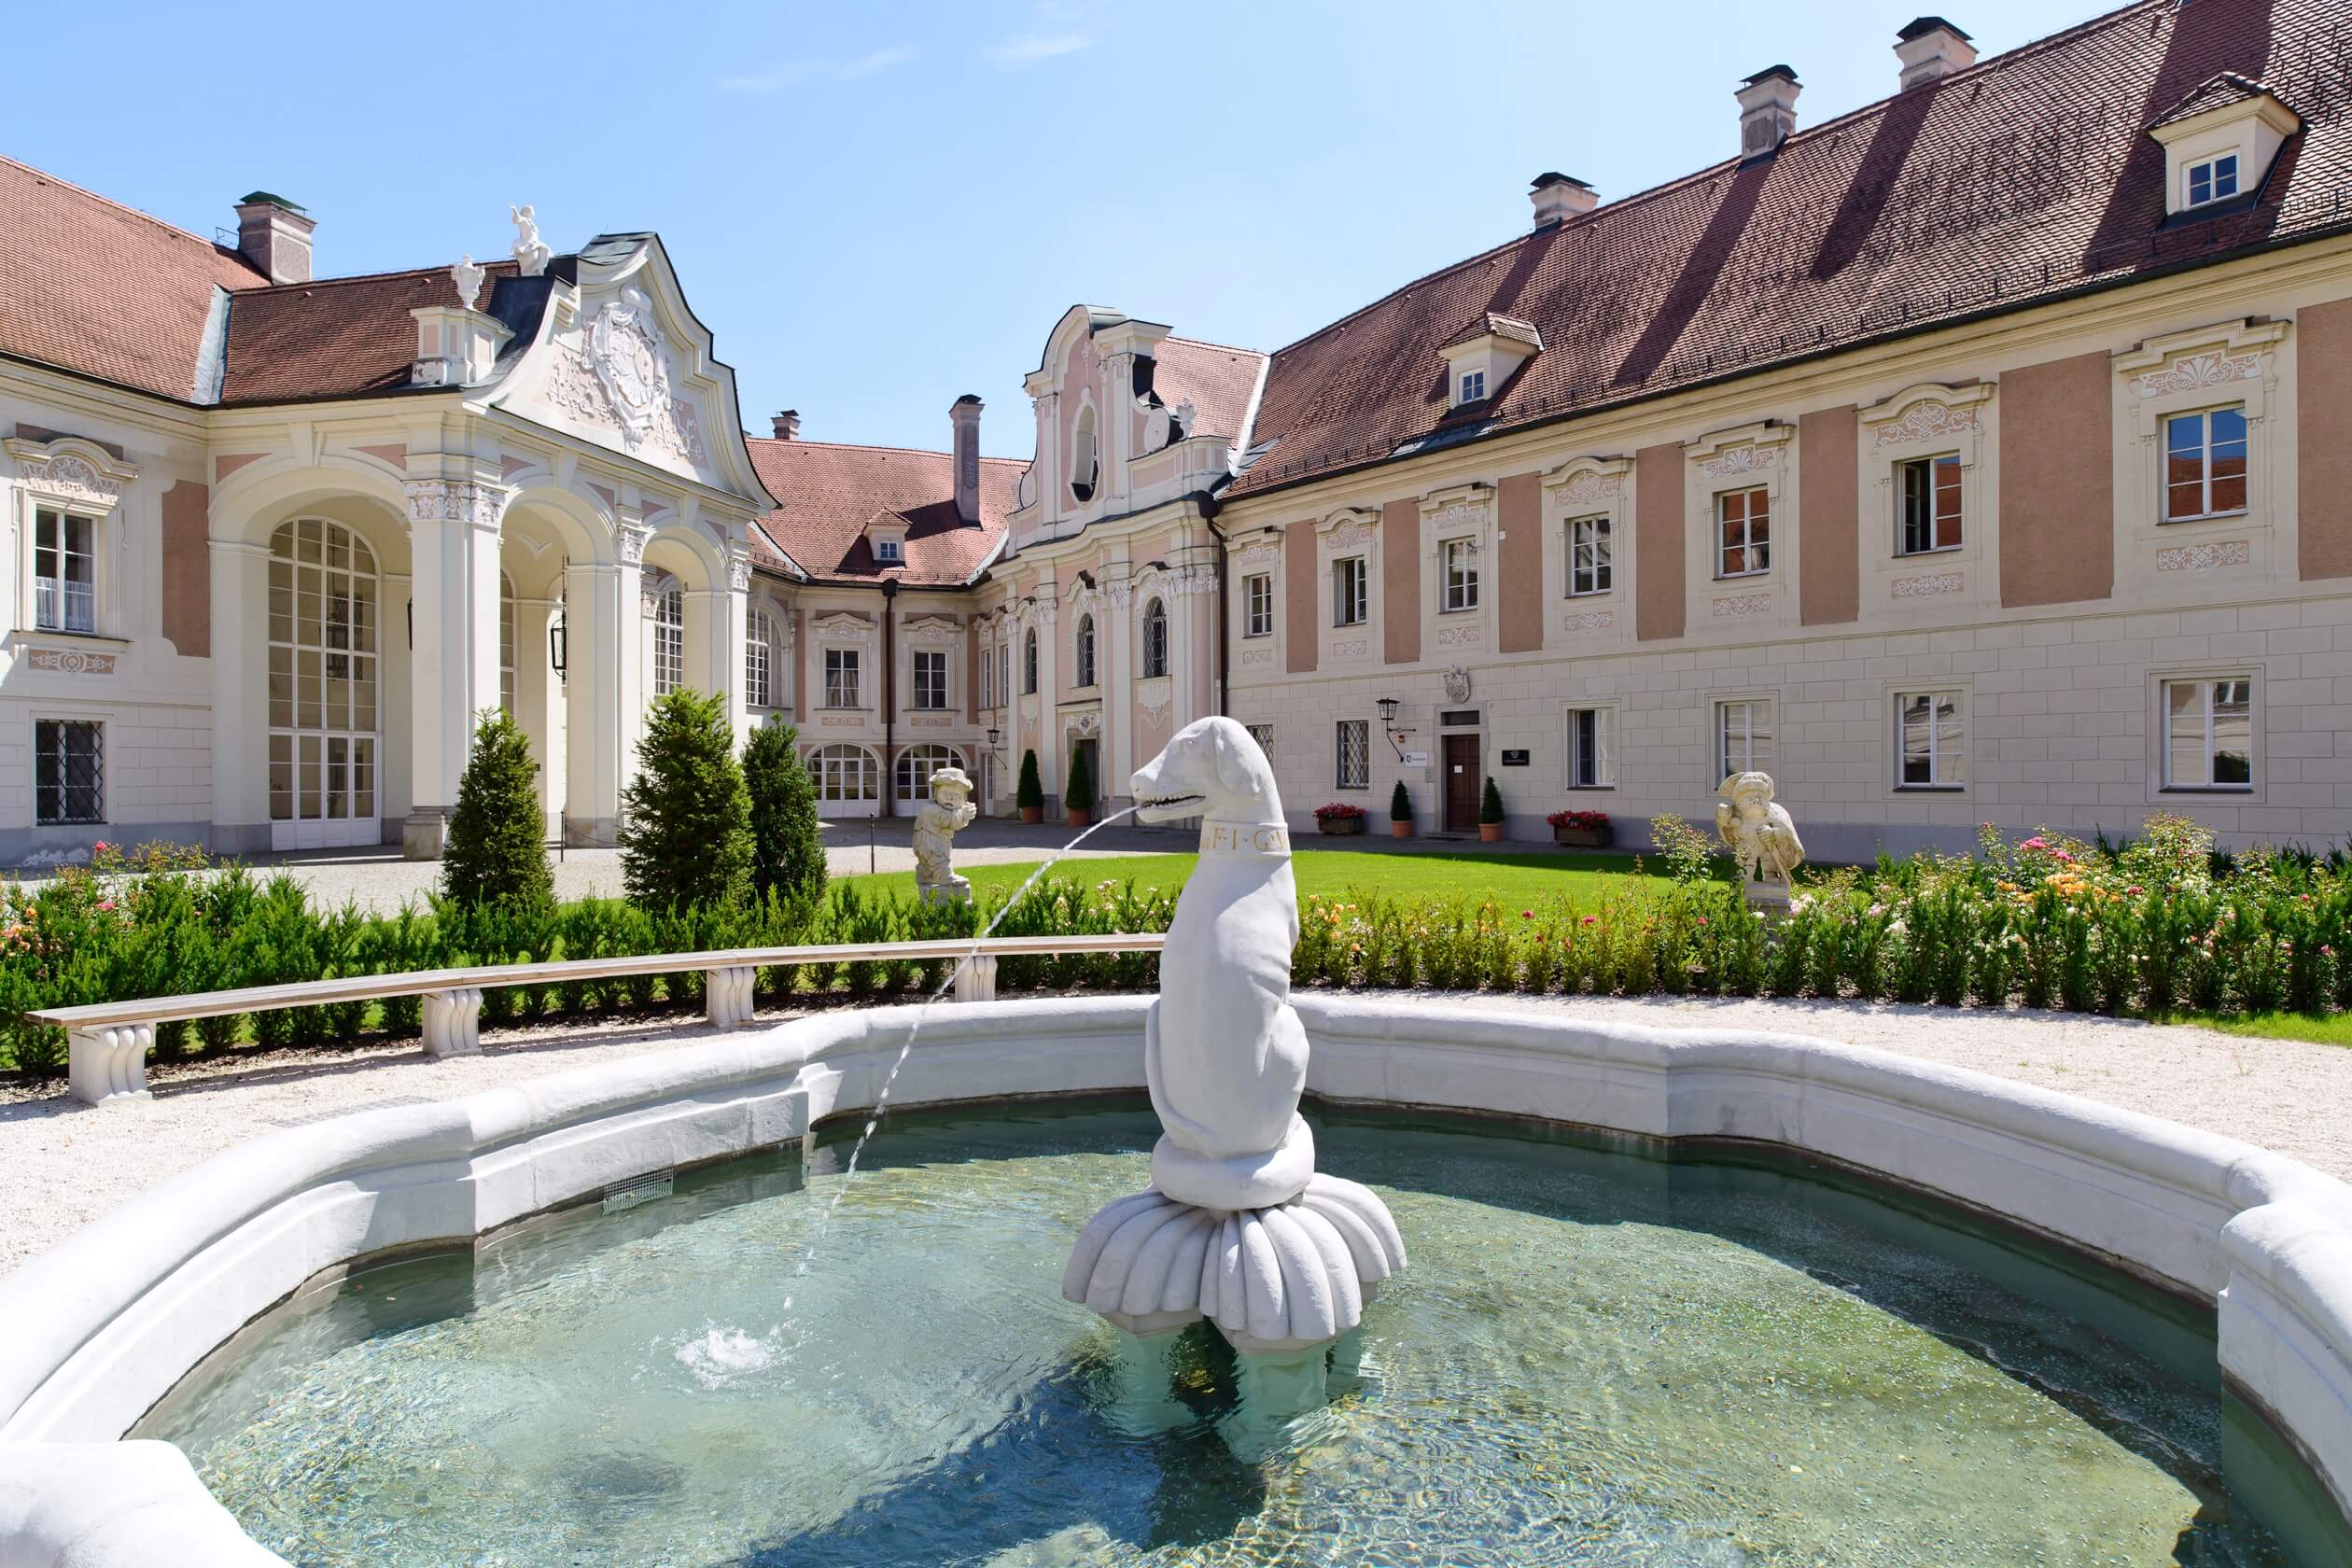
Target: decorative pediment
(72,470)
(1929,411)
(1587,484)
(2201,357)
(1349,529)
(934,629)
(1745,450)
(841,626)
(1457,507)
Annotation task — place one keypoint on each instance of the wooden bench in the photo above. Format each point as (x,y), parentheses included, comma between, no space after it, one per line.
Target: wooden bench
(108,1042)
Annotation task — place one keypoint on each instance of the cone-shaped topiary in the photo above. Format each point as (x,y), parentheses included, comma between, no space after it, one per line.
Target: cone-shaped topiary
(686,839)
(1491,803)
(1029,793)
(496,850)
(1078,789)
(1400,803)
(788,849)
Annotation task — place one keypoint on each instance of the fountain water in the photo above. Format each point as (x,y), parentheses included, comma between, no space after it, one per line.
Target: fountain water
(1236,1225)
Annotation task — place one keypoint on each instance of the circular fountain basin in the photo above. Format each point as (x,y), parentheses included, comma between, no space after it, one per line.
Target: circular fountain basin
(1816,1304)
(1598,1356)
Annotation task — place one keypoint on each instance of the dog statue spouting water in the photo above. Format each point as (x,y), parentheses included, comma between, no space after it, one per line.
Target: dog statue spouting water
(1237,1226)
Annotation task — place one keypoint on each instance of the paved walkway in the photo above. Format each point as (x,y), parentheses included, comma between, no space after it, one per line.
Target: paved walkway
(67,1163)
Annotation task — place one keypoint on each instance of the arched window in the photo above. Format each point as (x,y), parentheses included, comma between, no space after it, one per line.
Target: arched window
(669,640)
(845,775)
(323,711)
(1029,663)
(1085,462)
(1155,639)
(1085,650)
(916,764)
(505,643)
(759,644)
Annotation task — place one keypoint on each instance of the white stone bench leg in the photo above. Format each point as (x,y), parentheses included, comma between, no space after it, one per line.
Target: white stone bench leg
(977,980)
(103,1064)
(727,995)
(453,1022)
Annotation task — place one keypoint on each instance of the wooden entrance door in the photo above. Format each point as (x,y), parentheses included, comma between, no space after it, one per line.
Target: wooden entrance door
(1462,783)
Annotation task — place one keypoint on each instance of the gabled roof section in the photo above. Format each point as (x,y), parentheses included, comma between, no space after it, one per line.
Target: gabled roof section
(102,290)
(1489,324)
(1218,380)
(829,497)
(353,336)
(2216,91)
(2021,179)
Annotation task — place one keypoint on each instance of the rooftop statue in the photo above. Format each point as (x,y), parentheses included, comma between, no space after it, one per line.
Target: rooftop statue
(531,253)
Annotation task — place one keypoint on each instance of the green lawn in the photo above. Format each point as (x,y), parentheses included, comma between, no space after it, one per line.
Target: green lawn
(1521,879)
(2335,1030)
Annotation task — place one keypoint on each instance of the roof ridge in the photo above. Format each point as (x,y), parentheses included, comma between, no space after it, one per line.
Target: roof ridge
(1204,343)
(491,267)
(173,229)
(870,446)
(1710,171)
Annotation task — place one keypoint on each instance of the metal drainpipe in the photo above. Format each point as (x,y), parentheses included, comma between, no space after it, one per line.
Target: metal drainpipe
(889,695)
(1208,503)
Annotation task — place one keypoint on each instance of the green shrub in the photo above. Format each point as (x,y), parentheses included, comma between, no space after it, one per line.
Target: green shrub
(1078,793)
(1489,804)
(1029,793)
(788,848)
(686,837)
(1400,803)
(496,850)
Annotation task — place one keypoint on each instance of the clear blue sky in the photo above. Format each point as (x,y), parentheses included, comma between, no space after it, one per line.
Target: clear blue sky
(878,207)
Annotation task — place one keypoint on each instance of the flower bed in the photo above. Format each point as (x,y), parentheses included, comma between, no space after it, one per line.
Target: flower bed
(1588,830)
(1339,817)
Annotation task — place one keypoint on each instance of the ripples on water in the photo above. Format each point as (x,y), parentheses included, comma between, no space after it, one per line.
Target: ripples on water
(1596,1358)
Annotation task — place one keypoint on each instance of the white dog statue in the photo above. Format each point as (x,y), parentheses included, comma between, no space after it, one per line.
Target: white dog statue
(1237,1226)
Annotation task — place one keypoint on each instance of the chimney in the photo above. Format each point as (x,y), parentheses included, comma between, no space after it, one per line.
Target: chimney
(1930,47)
(787,425)
(965,416)
(1768,110)
(275,236)
(1557,198)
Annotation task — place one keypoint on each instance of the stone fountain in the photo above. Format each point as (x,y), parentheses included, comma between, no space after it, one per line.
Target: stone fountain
(1237,1226)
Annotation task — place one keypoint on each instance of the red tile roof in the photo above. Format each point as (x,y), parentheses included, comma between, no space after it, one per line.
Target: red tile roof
(1219,381)
(2025,178)
(829,493)
(335,337)
(91,286)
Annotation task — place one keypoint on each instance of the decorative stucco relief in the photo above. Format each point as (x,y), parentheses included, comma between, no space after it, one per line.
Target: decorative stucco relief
(70,661)
(1588,489)
(1588,621)
(455,500)
(1460,636)
(1257,557)
(1933,585)
(2205,557)
(840,721)
(932,720)
(1256,656)
(934,629)
(1747,459)
(1462,514)
(618,377)
(2199,370)
(1156,713)
(1928,419)
(1354,649)
(1740,606)
(1085,724)
(69,477)
(632,538)
(1348,538)
(842,627)
(1457,684)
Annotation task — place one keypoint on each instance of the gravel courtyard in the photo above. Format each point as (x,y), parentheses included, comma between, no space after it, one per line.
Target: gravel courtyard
(68,1163)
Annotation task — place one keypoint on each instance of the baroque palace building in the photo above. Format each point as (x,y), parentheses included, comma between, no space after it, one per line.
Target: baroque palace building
(1981,456)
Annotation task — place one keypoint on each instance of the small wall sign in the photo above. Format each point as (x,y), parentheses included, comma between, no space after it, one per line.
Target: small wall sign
(1415,759)
(1514,759)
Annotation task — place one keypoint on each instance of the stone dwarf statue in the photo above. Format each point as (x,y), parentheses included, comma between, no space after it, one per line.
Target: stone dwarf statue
(948,810)
(1761,837)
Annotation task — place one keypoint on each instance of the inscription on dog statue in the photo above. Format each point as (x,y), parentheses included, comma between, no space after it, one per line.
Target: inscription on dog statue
(1236,1225)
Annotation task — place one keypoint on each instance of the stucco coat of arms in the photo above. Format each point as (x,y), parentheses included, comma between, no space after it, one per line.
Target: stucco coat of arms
(630,363)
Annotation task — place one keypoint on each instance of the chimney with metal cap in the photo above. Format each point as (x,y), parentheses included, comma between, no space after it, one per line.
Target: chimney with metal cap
(275,234)
(787,425)
(1930,47)
(965,417)
(1558,196)
(1768,110)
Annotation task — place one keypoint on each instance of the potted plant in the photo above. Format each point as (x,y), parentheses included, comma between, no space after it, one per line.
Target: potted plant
(1339,817)
(1584,829)
(1490,812)
(1078,791)
(1030,794)
(1400,811)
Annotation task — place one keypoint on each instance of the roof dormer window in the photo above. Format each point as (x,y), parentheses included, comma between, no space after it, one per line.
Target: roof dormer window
(1473,386)
(890,551)
(1483,356)
(2215,179)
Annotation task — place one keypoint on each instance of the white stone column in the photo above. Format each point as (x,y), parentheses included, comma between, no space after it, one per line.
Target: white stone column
(1119,610)
(539,702)
(240,696)
(1049,731)
(602,701)
(454,549)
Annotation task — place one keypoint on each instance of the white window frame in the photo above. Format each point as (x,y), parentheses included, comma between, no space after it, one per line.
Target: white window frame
(890,551)
(2205,450)
(1748,544)
(928,682)
(1931,465)
(1947,772)
(1029,663)
(845,676)
(1591,549)
(1257,604)
(1603,751)
(1352,759)
(2211,168)
(55,601)
(1757,760)
(1473,386)
(1350,591)
(63,818)
(988,678)
(1155,637)
(845,773)
(1083,667)
(759,661)
(2167,783)
(1458,575)
(669,639)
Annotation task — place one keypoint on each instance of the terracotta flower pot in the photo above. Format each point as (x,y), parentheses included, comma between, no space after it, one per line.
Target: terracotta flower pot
(1401,829)
(1489,832)
(1080,816)
(1033,814)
